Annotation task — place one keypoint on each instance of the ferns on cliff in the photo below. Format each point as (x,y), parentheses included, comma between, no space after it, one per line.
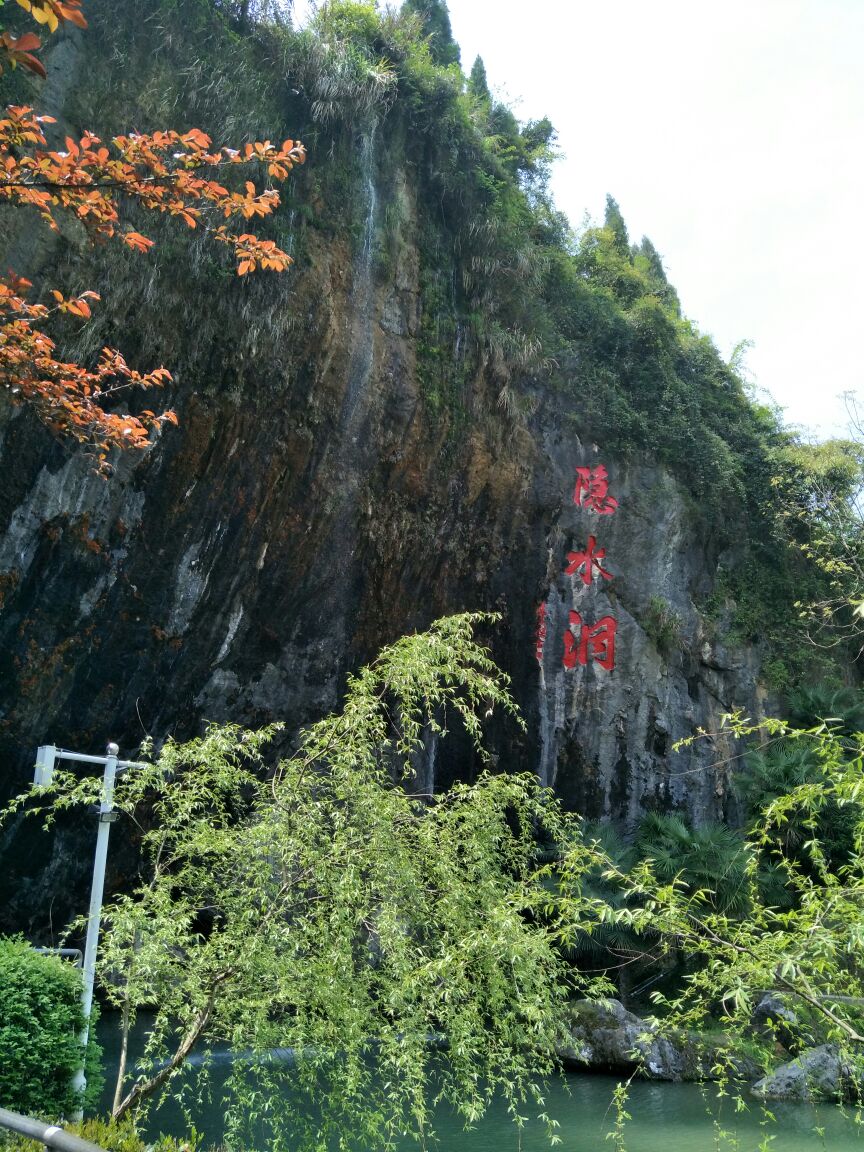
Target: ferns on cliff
(336,62)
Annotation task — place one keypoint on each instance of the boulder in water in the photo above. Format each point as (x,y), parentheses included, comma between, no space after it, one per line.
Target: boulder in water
(774,1019)
(605,1037)
(817,1074)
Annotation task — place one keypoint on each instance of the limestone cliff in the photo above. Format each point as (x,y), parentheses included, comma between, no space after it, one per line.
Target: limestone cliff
(351,462)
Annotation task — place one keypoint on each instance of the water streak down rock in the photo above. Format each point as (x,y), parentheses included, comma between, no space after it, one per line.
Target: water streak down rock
(363,296)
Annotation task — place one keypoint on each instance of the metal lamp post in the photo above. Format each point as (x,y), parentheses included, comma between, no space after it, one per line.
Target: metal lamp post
(46,757)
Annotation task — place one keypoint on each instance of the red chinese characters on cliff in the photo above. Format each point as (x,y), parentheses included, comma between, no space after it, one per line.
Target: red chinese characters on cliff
(590,642)
(587,562)
(586,643)
(592,491)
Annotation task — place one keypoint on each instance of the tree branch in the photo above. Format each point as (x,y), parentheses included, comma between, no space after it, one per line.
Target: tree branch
(146,1088)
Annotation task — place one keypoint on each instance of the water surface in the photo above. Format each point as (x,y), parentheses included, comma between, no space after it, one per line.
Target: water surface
(665,1118)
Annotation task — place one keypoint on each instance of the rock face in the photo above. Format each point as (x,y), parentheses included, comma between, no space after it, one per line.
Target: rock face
(240,571)
(817,1074)
(605,1037)
(607,738)
(314,504)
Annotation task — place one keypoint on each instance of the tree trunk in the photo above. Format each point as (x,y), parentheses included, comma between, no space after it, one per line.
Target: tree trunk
(147,1087)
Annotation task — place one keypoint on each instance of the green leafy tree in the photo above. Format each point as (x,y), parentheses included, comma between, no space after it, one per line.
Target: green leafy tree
(246,13)
(614,221)
(478,85)
(647,261)
(611,945)
(818,494)
(330,910)
(327,908)
(777,771)
(808,949)
(436,26)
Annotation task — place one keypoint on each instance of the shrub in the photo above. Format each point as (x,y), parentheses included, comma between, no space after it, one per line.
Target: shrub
(662,624)
(112,1137)
(40,1020)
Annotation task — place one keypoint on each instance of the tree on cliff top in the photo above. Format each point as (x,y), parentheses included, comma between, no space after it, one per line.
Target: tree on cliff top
(614,221)
(82,183)
(436,26)
(478,84)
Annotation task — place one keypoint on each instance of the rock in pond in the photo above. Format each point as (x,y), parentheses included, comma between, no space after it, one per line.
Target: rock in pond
(774,1019)
(817,1074)
(606,1037)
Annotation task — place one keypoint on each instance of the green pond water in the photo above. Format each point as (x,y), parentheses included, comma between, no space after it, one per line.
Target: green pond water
(665,1118)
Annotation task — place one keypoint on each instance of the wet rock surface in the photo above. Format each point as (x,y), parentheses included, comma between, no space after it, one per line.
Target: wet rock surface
(774,1019)
(605,1037)
(240,570)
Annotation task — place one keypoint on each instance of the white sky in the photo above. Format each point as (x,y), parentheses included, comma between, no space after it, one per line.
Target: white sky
(730,132)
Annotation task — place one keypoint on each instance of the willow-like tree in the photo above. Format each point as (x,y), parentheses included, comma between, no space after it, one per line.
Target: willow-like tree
(329,910)
(805,946)
(411,952)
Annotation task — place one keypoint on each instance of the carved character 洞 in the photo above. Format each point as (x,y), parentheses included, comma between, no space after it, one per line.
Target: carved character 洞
(595,642)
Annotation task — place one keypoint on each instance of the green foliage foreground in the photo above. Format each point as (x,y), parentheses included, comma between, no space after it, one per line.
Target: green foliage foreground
(328,909)
(792,923)
(412,950)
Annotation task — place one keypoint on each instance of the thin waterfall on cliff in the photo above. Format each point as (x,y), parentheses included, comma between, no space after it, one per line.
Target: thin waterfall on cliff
(362,292)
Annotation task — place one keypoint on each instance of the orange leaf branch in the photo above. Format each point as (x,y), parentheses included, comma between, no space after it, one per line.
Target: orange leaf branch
(164,172)
(159,171)
(68,396)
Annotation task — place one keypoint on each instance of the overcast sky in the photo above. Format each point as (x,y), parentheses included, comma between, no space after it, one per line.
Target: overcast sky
(730,134)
